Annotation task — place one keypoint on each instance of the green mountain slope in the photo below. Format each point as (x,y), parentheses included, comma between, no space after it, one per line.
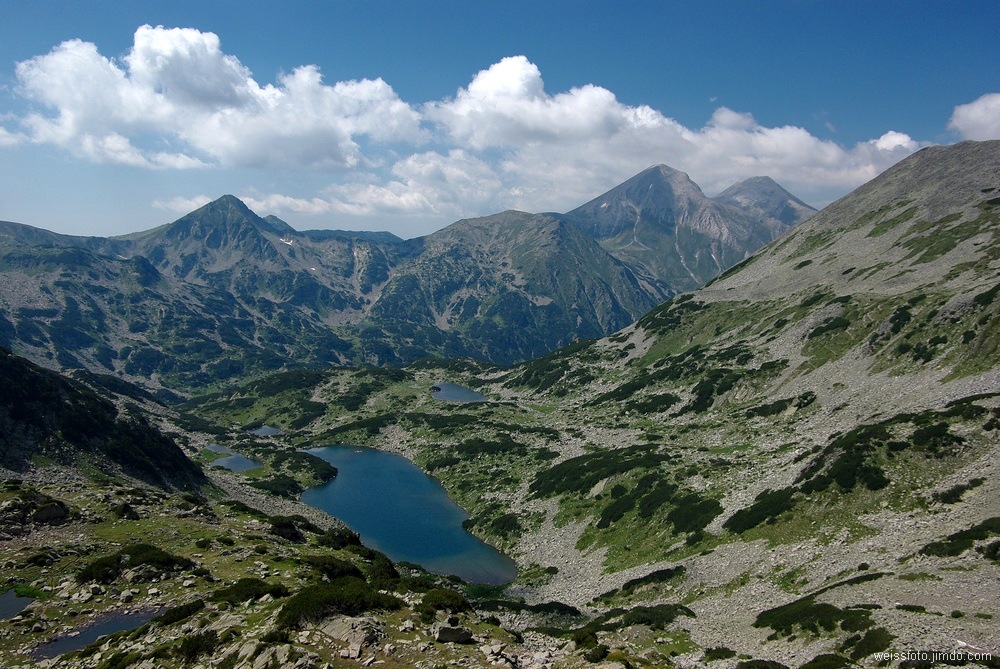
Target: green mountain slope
(508,287)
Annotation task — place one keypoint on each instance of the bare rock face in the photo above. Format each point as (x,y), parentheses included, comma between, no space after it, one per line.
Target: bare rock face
(363,631)
(767,201)
(661,223)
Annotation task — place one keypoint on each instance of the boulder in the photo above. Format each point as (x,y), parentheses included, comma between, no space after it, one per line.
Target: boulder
(452,634)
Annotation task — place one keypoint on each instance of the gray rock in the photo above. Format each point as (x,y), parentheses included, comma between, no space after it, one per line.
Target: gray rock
(450,634)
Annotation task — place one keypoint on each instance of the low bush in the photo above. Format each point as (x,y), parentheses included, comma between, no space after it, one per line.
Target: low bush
(693,512)
(827,661)
(247,589)
(874,641)
(178,613)
(339,537)
(107,569)
(195,645)
(768,504)
(963,540)
(331,567)
(346,596)
(829,325)
(718,653)
(380,568)
(954,494)
(812,616)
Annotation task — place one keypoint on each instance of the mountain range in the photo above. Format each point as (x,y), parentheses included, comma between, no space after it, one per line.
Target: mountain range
(222,292)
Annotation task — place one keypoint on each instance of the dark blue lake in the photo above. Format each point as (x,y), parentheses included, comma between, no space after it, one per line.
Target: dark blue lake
(452,392)
(234,462)
(11,604)
(108,624)
(406,514)
(267,431)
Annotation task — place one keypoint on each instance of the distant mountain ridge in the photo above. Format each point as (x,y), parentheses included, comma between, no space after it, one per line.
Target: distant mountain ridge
(223,292)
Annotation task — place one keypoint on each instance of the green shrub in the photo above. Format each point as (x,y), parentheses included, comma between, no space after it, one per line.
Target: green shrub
(693,512)
(768,504)
(286,528)
(660,494)
(954,494)
(441,599)
(874,641)
(655,617)
(380,567)
(760,664)
(346,596)
(178,613)
(331,567)
(581,473)
(506,525)
(194,646)
(339,537)
(812,616)
(658,576)
(963,540)
(276,636)
(827,661)
(718,653)
(247,589)
(107,569)
(596,654)
(829,325)
(281,485)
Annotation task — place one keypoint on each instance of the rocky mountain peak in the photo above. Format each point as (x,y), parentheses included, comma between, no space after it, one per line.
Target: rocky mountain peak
(764,198)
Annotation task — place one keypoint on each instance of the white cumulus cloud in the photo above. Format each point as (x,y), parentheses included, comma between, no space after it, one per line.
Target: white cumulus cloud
(177,100)
(182,205)
(979,119)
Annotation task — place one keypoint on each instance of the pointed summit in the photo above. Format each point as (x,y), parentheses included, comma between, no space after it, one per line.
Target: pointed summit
(764,198)
(661,222)
(657,194)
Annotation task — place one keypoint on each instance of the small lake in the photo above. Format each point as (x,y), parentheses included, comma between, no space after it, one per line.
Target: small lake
(266,431)
(11,604)
(452,392)
(107,624)
(406,514)
(234,462)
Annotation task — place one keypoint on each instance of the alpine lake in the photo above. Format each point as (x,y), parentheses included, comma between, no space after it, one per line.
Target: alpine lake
(404,513)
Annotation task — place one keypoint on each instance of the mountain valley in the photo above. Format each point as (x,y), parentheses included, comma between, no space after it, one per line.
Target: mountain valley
(794,465)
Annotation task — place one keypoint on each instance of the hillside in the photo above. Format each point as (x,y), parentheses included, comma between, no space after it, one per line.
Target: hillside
(802,456)
(46,417)
(508,287)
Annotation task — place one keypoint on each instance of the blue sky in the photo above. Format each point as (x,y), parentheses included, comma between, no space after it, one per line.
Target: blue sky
(409,115)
